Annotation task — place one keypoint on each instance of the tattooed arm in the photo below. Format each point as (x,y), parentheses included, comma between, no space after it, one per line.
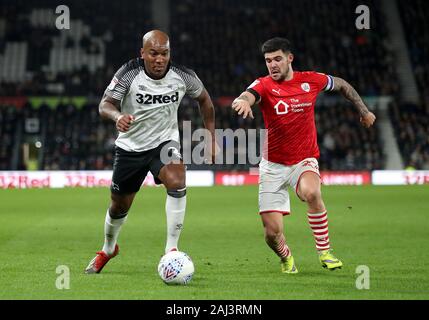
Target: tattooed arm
(367,118)
(243,104)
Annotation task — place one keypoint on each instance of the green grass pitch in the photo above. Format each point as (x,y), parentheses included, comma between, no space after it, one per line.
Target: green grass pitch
(384,228)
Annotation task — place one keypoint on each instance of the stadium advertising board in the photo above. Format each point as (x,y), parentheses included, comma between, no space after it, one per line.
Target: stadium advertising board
(235,178)
(400,177)
(102,178)
(346,178)
(63,179)
(328,178)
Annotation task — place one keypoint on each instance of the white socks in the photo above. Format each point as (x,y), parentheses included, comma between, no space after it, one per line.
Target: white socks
(111,232)
(175,210)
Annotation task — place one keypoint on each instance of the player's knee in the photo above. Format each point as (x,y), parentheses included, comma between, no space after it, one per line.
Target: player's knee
(311,195)
(118,210)
(175,183)
(173,176)
(177,193)
(119,206)
(272,235)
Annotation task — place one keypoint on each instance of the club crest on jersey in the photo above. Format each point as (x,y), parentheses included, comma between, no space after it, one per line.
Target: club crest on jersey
(305,86)
(113,83)
(115,186)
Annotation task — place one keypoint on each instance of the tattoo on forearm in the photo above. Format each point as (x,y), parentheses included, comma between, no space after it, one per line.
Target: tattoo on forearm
(351,94)
(244,97)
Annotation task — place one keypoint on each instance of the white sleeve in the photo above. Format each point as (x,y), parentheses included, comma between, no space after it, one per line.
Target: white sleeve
(194,85)
(121,82)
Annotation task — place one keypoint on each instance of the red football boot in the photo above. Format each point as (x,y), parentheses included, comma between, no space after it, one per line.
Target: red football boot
(97,264)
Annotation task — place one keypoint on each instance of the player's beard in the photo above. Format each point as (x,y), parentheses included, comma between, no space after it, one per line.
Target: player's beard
(283,75)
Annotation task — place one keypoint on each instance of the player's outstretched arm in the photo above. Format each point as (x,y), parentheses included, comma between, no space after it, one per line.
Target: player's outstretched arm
(109,109)
(243,104)
(367,118)
(208,114)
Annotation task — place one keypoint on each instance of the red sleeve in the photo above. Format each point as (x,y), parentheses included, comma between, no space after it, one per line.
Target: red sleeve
(322,81)
(257,89)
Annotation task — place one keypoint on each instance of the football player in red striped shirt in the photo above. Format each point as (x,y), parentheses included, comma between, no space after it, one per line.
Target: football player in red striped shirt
(287,99)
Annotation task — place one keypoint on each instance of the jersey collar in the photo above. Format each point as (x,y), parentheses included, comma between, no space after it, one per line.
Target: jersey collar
(141,61)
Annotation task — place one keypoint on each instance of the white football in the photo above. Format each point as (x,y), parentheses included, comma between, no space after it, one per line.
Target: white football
(176,267)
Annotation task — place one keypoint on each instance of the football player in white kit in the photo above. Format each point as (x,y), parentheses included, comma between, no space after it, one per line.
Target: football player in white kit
(142,100)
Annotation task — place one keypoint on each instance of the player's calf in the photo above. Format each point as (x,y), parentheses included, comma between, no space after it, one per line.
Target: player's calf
(279,246)
(276,241)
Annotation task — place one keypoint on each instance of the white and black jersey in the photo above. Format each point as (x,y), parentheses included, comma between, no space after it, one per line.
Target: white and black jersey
(153,103)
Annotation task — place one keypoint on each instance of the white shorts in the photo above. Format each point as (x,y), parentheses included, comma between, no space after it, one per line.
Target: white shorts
(274,180)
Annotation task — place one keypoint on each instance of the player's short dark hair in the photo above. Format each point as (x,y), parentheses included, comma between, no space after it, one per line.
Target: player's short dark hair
(275,44)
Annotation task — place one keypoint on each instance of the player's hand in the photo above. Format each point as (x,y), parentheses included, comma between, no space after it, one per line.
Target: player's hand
(368,119)
(123,122)
(242,107)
